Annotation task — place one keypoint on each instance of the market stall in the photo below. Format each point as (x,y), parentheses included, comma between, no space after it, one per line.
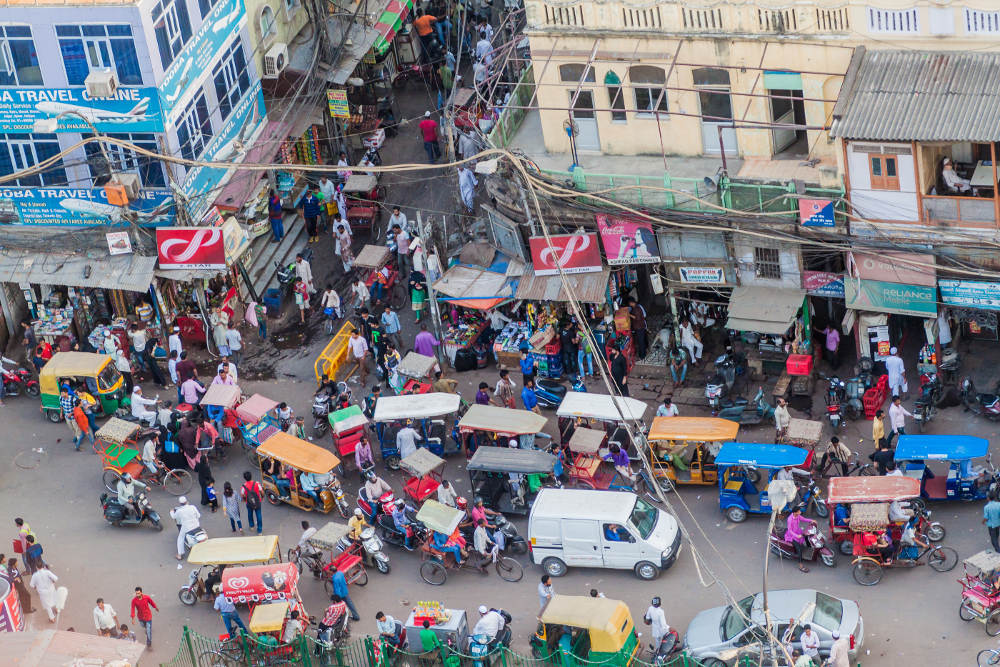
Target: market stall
(768,319)
(463,333)
(450,625)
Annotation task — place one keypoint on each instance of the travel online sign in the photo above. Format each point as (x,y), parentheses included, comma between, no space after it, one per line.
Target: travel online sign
(79,207)
(128,110)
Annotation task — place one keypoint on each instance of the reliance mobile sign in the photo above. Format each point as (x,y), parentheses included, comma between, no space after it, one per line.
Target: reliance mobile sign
(574,253)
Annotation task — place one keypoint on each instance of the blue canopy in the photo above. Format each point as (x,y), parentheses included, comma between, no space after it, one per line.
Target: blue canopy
(940,447)
(760,456)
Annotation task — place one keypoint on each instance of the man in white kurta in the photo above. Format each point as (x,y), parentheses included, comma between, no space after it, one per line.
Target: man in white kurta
(657,622)
(896,370)
(303,270)
(44,582)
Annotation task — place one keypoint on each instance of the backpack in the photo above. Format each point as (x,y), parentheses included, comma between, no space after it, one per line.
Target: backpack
(253,496)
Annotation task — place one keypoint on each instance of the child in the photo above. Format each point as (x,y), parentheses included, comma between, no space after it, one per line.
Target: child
(301,298)
(231,504)
(213,500)
(284,415)
(125,633)
(483,395)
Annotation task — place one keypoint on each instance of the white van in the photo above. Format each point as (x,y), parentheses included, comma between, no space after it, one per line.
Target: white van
(577,527)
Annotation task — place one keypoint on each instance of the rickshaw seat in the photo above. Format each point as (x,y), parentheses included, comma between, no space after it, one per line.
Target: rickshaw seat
(346,562)
(734,485)
(936,487)
(119,456)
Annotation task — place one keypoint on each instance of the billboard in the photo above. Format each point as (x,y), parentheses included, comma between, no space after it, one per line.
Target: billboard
(704,275)
(627,242)
(970,294)
(191,248)
(823,283)
(575,253)
(131,109)
(80,207)
(816,212)
(882,297)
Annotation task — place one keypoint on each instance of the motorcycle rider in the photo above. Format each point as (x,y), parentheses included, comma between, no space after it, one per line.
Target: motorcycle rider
(657,622)
(375,488)
(403,523)
(490,623)
(126,493)
(188,518)
(356,524)
(139,410)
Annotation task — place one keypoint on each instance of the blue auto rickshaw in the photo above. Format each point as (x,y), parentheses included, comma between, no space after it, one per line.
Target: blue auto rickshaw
(745,469)
(963,481)
(425,412)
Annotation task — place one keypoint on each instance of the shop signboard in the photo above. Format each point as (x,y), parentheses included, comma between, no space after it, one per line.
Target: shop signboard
(823,283)
(235,239)
(970,294)
(896,267)
(878,342)
(191,248)
(119,243)
(79,207)
(627,241)
(337,100)
(574,253)
(130,109)
(816,213)
(702,275)
(882,297)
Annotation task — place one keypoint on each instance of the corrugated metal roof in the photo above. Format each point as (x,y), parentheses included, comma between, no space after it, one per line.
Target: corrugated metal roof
(132,273)
(588,287)
(922,96)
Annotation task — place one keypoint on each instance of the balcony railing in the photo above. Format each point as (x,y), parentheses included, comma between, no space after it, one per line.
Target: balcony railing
(968,211)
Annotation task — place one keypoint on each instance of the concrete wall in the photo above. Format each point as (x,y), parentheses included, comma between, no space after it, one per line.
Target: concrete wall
(791,265)
(290,20)
(883,204)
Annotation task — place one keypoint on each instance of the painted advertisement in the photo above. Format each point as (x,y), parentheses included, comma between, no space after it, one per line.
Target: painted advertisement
(882,297)
(702,275)
(627,242)
(816,213)
(80,207)
(575,253)
(191,248)
(896,267)
(228,145)
(129,110)
(823,283)
(970,294)
(220,27)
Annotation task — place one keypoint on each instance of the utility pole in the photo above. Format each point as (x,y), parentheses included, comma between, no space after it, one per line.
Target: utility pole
(431,295)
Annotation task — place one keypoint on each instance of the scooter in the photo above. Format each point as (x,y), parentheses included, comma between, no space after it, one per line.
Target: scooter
(815,545)
(196,535)
(720,384)
(835,395)
(512,542)
(330,637)
(925,407)
(746,412)
(984,405)
(811,499)
(549,393)
(119,514)
(382,507)
(16,379)
(320,412)
(372,548)
(669,647)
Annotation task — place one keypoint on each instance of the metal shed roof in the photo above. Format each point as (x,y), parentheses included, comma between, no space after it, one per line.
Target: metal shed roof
(920,96)
(588,287)
(507,459)
(132,273)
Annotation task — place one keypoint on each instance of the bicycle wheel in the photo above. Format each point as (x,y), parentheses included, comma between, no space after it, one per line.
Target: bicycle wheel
(509,569)
(293,557)
(177,482)
(988,656)
(433,572)
(942,559)
(867,572)
(217,659)
(110,479)
(993,623)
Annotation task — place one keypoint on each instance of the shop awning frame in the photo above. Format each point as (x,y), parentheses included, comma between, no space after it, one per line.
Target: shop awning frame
(586,287)
(389,23)
(131,272)
(766,310)
(473,287)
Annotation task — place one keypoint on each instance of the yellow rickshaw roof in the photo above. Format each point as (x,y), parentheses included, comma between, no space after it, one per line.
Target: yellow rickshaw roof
(75,363)
(269,617)
(698,429)
(234,550)
(607,621)
(297,453)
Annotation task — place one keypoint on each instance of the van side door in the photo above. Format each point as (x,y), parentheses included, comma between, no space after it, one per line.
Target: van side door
(582,542)
(624,552)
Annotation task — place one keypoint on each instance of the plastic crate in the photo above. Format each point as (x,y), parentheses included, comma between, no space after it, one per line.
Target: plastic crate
(799,364)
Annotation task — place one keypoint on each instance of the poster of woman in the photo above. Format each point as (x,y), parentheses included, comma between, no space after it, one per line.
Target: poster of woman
(627,241)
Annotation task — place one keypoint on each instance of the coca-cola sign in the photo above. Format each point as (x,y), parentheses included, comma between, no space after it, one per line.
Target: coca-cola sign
(191,248)
(575,253)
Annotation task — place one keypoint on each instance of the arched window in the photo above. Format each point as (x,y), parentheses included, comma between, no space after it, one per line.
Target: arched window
(268,26)
(709,76)
(649,88)
(573,73)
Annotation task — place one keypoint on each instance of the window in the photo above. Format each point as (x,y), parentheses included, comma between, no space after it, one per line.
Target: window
(573,73)
(268,27)
(767,262)
(232,80)
(88,47)
(21,151)
(980,22)
(194,129)
(648,86)
(615,95)
(899,21)
(150,170)
(172,27)
(18,59)
(643,518)
(884,175)
(206,6)
(291,6)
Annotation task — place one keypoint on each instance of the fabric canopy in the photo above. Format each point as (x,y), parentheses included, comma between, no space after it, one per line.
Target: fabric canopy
(473,287)
(416,406)
(871,489)
(389,23)
(501,420)
(766,310)
(600,406)
(131,272)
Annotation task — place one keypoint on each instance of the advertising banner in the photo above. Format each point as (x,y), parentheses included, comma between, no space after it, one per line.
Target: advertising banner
(80,207)
(131,109)
(627,242)
(816,213)
(119,243)
(575,253)
(823,283)
(337,100)
(882,297)
(191,248)
(970,294)
(260,582)
(704,275)
(896,267)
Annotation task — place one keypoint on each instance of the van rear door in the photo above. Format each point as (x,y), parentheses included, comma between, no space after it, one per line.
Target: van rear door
(582,542)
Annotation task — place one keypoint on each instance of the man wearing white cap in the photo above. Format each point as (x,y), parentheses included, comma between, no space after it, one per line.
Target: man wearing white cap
(839,651)
(897,373)
(188,518)
(174,342)
(490,623)
(139,404)
(111,344)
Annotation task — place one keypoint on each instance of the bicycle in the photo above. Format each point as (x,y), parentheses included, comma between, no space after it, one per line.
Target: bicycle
(175,481)
(854,466)
(306,561)
(988,656)
(229,654)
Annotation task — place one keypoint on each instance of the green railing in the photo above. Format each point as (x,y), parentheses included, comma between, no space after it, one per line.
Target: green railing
(510,120)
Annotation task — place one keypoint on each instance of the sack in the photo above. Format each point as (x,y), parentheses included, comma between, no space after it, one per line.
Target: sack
(253,498)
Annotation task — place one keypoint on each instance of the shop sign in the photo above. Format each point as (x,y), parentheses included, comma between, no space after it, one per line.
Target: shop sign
(702,275)
(130,109)
(235,239)
(191,248)
(336,98)
(11,614)
(878,341)
(882,297)
(823,283)
(896,267)
(970,294)
(627,242)
(574,253)
(119,243)
(78,207)
(816,213)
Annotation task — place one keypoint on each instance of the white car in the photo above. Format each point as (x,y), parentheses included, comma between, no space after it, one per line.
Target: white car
(720,635)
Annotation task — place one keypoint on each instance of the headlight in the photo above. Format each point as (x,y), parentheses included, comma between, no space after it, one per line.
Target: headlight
(666,552)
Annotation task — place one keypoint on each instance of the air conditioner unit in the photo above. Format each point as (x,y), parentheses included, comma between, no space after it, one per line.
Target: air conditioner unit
(101,83)
(275,60)
(130,182)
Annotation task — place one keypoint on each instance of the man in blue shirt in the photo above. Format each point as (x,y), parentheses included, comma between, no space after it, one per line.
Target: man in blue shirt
(228,611)
(310,210)
(391,326)
(402,522)
(340,588)
(528,365)
(528,396)
(991,517)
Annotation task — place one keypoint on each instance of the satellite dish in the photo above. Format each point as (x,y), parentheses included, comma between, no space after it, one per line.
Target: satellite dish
(570,127)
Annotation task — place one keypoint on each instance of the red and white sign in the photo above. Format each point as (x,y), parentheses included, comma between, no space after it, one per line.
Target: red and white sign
(258,583)
(191,248)
(575,253)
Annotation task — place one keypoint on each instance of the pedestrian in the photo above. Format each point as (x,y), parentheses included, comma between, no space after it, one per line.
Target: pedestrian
(402,238)
(261,312)
(81,420)
(186,369)
(227,610)
(619,370)
(446,494)
(111,343)
(303,269)
(204,476)
(44,583)
(545,592)
(425,342)
(896,370)
(172,370)
(32,553)
(690,341)
(125,634)
(361,294)
(639,335)
(467,183)
(174,342)
(252,492)
(657,621)
(831,346)
(391,326)
(398,219)
(309,209)
(28,338)
(328,190)
(188,518)
(340,588)
(781,420)
(390,367)
(429,131)
(839,652)
(897,419)
(105,619)
(528,396)
(570,346)
(275,217)
(330,303)
(668,409)
(344,242)
(483,394)
(878,428)
(235,341)
(991,517)
(231,506)
(528,365)
(125,368)
(191,391)
(810,642)
(503,393)
(23,532)
(359,352)
(883,457)
(678,365)
(836,453)
(142,611)
(154,367)
(15,578)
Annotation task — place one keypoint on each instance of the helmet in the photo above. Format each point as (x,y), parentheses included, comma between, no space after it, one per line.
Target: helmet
(358,512)
(513,443)
(127,478)
(656,601)
(461,502)
(371,475)
(399,502)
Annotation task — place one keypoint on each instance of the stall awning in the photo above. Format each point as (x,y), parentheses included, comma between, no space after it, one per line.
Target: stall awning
(360,40)
(131,273)
(473,287)
(389,23)
(766,310)
(587,287)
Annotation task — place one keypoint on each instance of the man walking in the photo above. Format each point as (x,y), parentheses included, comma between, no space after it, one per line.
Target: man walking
(228,612)
(309,210)
(504,391)
(142,610)
(44,583)
(359,352)
(545,591)
(252,493)
(897,418)
(429,129)
(781,420)
(619,370)
(991,517)
(188,518)
(896,370)
(340,588)
(391,327)
(235,341)
(105,619)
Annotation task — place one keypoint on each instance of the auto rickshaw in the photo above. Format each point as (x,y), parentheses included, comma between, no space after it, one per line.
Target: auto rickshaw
(428,413)
(961,480)
(682,450)
(220,552)
(742,486)
(598,411)
(493,471)
(97,371)
(491,425)
(981,591)
(590,630)
(303,458)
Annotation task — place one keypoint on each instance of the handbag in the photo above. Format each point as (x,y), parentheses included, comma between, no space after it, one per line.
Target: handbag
(18,546)
(170,447)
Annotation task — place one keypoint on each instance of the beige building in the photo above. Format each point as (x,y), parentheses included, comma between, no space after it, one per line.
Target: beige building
(273,28)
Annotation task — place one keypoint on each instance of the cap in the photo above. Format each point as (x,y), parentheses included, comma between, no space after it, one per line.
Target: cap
(358,512)
(893,350)
(177,329)
(183,500)
(427,114)
(835,634)
(512,442)
(483,609)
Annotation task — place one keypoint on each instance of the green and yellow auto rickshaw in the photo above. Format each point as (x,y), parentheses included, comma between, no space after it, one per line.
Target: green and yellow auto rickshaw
(96,371)
(574,629)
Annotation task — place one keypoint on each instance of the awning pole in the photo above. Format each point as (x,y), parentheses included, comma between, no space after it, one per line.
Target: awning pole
(431,296)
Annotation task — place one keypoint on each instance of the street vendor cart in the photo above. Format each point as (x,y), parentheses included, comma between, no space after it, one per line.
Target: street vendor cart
(418,369)
(381,275)
(363,194)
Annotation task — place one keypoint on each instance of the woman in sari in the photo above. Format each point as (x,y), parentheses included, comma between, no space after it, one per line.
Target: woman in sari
(344,245)
(418,292)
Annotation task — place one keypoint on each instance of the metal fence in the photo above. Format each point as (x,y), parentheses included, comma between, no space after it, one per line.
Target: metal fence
(510,119)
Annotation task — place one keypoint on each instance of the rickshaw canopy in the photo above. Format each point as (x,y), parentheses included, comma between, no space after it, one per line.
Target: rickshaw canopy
(511,460)
(501,420)
(221,395)
(869,516)
(347,419)
(587,440)
(416,406)
(695,429)
(608,622)
(421,462)
(871,489)
(70,364)
(416,365)
(258,583)
(439,517)
(940,447)
(269,617)
(327,536)
(986,562)
(298,453)
(363,183)
(602,406)
(117,430)
(760,455)
(254,408)
(234,550)
(373,257)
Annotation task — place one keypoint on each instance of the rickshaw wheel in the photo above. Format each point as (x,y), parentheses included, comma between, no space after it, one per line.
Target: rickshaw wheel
(252,455)
(987,656)
(110,479)
(665,484)
(554,567)
(736,514)
(177,482)
(577,483)
(935,532)
(187,596)
(509,569)
(847,548)
(867,471)
(942,559)
(392,462)
(433,572)
(966,613)
(646,571)
(993,623)
(918,503)
(867,572)
(362,579)
(272,497)
(292,558)
(53,416)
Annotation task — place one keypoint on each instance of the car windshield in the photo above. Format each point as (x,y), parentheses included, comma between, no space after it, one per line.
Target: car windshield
(108,377)
(643,517)
(829,612)
(734,622)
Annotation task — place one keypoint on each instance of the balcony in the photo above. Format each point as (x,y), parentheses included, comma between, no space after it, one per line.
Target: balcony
(959,211)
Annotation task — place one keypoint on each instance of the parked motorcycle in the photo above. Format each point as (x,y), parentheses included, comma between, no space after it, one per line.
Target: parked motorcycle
(811,499)
(669,647)
(746,412)
(121,514)
(320,412)
(814,548)
(984,405)
(549,393)
(17,380)
(719,384)
(835,396)
(372,548)
(925,407)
